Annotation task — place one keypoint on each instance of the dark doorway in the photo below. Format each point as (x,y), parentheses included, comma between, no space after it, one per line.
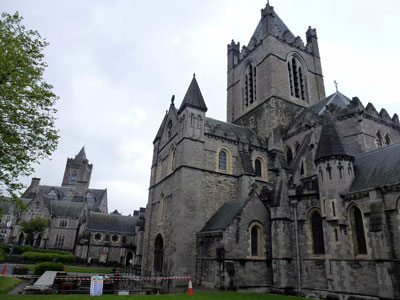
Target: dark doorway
(158,253)
(129,256)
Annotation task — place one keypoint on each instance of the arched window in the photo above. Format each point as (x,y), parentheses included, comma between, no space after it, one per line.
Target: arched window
(317,233)
(349,169)
(73,176)
(222,160)
(360,245)
(379,139)
(59,241)
(171,160)
(256,240)
(289,155)
(250,85)
(258,167)
(169,129)
(388,139)
(158,253)
(161,210)
(158,170)
(296,78)
(296,147)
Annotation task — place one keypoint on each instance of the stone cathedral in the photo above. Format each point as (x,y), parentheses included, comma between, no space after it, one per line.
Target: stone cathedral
(297,192)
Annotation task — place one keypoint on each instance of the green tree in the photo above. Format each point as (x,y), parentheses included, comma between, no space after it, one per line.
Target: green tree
(34,226)
(27,113)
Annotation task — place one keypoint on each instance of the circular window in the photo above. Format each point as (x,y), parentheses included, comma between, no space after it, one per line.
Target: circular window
(115,238)
(98,237)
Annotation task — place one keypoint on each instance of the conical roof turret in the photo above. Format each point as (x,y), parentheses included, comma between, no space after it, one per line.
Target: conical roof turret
(331,142)
(81,155)
(193,97)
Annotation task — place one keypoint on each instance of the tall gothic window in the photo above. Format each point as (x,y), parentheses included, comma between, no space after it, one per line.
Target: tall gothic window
(289,155)
(158,170)
(317,233)
(329,171)
(358,231)
(250,85)
(256,240)
(340,169)
(73,176)
(379,140)
(296,79)
(171,159)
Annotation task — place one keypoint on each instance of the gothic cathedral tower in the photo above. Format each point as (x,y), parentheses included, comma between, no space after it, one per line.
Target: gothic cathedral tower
(272,78)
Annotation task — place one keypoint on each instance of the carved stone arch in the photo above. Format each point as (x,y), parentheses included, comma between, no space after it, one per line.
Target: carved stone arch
(219,164)
(296,147)
(256,239)
(388,139)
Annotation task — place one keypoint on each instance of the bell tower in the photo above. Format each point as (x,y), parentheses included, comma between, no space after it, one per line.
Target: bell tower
(273,77)
(77,171)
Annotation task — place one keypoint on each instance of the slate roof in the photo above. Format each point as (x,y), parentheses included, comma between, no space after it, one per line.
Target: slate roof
(280,26)
(319,108)
(111,223)
(331,142)
(6,204)
(377,168)
(66,208)
(160,130)
(246,162)
(193,97)
(229,130)
(223,216)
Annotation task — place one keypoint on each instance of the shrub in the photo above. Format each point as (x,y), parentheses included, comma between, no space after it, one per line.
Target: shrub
(20,270)
(2,255)
(35,257)
(48,266)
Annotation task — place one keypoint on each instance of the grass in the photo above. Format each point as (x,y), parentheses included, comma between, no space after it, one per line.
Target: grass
(80,269)
(196,296)
(8,283)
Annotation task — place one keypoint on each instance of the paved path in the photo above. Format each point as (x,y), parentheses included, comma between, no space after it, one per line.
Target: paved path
(10,268)
(47,279)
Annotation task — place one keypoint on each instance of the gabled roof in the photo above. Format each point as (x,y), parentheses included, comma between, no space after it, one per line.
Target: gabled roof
(337,99)
(161,129)
(246,163)
(193,97)
(66,208)
(224,216)
(377,168)
(112,223)
(331,142)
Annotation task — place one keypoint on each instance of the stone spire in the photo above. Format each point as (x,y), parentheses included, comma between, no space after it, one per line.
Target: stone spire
(81,155)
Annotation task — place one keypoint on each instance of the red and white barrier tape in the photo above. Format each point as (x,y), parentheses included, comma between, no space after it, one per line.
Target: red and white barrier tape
(110,278)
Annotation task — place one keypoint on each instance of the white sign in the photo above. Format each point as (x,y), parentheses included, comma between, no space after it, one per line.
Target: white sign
(96,286)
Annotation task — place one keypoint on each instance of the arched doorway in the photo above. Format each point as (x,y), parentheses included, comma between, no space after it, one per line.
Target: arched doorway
(129,256)
(21,239)
(158,253)
(38,240)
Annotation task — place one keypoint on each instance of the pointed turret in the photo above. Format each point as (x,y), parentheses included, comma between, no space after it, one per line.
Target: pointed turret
(78,171)
(193,97)
(331,143)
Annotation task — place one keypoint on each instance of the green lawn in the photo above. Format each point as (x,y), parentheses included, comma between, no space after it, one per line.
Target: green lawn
(7,283)
(196,296)
(80,269)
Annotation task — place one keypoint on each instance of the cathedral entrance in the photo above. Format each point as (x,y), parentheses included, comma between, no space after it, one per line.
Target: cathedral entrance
(158,253)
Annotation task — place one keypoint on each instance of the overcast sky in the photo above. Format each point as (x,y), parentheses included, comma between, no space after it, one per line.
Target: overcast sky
(115,65)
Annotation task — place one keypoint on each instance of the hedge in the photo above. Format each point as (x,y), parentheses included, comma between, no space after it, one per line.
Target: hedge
(48,266)
(28,248)
(35,257)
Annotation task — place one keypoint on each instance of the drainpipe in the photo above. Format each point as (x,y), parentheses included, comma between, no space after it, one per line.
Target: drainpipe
(296,229)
